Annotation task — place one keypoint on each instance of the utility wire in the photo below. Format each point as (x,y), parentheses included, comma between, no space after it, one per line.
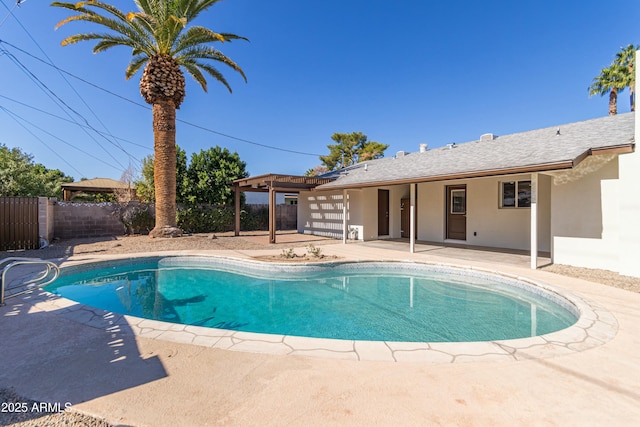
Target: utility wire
(67,81)
(18,2)
(271,147)
(60,102)
(14,116)
(70,121)
(43,143)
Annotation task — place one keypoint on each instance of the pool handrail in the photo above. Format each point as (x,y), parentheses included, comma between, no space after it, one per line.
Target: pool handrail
(29,285)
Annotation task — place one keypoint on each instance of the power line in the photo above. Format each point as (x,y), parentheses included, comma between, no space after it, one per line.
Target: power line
(14,115)
(10,10)
(43,143)
(271,147)
(65,79)
(70,121)
(58,101)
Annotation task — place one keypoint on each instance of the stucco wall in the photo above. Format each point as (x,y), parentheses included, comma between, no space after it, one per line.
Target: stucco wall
(585,214)
(629,206)
(320,212)
(45,218)
(493,226)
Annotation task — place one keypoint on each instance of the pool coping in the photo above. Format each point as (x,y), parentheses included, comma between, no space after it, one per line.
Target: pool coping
(595,325)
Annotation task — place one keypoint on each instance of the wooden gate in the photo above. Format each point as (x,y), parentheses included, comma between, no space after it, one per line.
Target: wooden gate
(19,223)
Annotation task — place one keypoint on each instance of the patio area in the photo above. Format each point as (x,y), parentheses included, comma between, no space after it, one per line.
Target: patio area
(111,370)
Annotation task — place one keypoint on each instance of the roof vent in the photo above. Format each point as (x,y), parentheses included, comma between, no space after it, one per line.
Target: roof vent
(400,154)
(424,147)
(487,137)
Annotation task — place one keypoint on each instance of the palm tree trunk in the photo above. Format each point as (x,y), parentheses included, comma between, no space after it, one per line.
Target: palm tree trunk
(164,173)
(613,103)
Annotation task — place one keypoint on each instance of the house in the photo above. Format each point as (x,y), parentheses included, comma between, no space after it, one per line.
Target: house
(569,190)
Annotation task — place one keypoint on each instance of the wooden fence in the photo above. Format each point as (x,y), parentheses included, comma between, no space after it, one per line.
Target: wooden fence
(19,223)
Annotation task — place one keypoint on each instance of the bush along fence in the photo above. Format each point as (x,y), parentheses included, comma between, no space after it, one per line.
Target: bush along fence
(72,220)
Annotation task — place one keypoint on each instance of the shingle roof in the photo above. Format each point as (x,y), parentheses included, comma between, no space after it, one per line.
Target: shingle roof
(97,183)
(535,150)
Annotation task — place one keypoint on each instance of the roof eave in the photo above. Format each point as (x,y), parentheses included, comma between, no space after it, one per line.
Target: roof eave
(466,175)
(560,165)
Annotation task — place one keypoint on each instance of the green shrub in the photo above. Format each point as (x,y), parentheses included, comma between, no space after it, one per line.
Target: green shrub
(136,217)
(206,219)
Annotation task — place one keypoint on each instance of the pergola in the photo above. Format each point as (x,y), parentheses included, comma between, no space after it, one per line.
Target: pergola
(273,184)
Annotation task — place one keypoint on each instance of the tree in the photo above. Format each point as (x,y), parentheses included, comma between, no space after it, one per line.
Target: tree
(316,171)
(351,148)
(626,59)
(21,177)
(161,42)
(209,174)
(204,180)
(615,78)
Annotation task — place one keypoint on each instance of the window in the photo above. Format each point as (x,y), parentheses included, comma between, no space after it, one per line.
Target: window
(458,201)
(515,194)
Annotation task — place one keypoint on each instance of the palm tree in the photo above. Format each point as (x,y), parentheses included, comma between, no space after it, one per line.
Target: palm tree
(610,81)
(161,42)
(626,59)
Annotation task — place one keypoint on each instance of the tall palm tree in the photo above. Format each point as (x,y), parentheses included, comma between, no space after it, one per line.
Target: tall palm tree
(161,42)
(610,81)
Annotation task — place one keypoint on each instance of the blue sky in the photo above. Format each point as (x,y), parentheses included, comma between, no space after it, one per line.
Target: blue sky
(403,72)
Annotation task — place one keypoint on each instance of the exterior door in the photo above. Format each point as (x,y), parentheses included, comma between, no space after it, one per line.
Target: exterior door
(383,212)
(457,212)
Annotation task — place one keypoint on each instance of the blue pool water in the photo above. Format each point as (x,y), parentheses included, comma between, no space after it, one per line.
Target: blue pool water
(363,304)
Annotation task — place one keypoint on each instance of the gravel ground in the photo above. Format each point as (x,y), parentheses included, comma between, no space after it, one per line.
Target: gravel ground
(600,276)
(137,244)
(222,241)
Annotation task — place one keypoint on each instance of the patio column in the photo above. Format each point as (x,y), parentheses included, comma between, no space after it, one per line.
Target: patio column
(412,218)
(344,216)
(534,221)
(236,229)
(272,214)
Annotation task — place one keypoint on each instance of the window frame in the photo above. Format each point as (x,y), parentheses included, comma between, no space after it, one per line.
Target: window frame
(516,193)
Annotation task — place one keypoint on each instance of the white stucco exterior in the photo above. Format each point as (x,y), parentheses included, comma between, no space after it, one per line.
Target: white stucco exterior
(583,177)
(586,221)
(320,212)
(585,216)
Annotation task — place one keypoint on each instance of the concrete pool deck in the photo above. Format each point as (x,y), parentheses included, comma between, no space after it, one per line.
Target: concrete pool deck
(113,371)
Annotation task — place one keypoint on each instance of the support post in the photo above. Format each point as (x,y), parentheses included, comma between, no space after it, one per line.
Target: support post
(272,214)
(236,229)
(412,218)
(344,216)
(534,221)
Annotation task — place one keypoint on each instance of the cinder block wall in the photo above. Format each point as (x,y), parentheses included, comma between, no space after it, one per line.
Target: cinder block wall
(73,220)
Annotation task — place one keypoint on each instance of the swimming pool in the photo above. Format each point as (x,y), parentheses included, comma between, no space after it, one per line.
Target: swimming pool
(369,301)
